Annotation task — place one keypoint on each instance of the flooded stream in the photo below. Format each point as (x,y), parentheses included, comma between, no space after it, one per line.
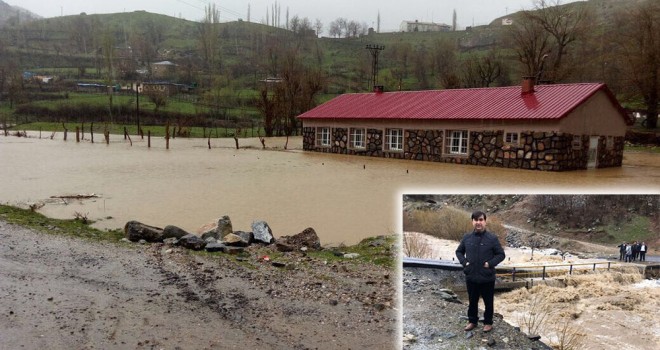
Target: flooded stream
(344,198)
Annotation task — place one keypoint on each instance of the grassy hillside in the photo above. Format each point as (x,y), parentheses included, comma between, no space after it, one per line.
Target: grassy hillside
(72,48)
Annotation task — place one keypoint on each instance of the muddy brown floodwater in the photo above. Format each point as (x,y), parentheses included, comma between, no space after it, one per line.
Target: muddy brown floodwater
(344,198)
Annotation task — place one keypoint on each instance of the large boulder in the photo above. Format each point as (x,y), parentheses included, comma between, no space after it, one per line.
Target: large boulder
(218,230)
(262,232)
(307,238)
(135,231)
(246,236)
(193,242)
(233,240)
(171,231)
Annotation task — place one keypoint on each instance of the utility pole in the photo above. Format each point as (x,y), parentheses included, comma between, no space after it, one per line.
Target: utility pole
(375,51)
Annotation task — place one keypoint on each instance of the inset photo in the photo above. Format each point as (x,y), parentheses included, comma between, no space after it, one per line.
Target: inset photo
(530,271)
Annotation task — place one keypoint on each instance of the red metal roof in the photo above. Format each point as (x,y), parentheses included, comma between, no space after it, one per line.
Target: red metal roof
(547,102)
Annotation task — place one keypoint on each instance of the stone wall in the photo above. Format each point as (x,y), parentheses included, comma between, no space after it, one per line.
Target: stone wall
(548,151)
(612,157)
(423,145)
(536,150)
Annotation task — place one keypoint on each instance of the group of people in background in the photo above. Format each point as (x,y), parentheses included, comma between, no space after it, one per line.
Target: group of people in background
(632,252)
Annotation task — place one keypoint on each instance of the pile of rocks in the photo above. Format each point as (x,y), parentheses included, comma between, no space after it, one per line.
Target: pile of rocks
(220,237)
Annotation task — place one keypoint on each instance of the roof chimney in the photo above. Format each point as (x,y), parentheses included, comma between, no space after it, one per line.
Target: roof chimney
(528,85)
(379,89)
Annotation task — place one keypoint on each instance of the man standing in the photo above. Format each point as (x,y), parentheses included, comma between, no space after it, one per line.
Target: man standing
(479,252)
(622,250)
(642,251)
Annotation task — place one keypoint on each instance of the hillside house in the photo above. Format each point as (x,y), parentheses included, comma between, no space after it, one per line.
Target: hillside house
(416,26)
(164,69)
(546,127)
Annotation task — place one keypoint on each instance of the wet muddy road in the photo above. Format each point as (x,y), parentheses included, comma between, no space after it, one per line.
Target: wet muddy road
(61,293)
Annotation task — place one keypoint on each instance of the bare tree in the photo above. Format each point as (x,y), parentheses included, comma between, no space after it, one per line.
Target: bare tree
(565,24)
(639,40)
(482,71)
(445,63)
(318,26)
(335,29)
(208,35)
(339,27)
(109,63)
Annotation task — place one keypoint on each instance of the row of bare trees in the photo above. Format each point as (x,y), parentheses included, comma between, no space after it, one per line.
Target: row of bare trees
(559,43)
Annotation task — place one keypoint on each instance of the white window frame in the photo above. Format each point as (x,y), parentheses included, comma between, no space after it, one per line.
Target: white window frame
(510,136)
(609,143)
(323,136)
(394,140)
(456,142)
(357,139)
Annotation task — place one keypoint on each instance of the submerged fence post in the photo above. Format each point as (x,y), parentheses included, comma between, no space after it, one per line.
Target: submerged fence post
(513,274)
(608,265)
(148,138)
(107,137)
(570,271)
(91,131)
(167,135)
(77,134)
(543,277)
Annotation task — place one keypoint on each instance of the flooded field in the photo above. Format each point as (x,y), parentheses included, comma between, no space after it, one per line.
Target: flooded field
(344,198)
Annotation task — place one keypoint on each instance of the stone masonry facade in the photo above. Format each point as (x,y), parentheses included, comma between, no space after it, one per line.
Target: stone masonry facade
(547,151)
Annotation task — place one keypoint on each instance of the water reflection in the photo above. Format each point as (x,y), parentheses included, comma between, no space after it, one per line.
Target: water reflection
(344,198)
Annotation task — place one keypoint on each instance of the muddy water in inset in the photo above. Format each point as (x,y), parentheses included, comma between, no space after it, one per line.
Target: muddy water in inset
(344,198)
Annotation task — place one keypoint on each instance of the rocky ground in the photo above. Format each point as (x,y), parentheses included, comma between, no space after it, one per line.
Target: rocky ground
(65,293)
(433,319)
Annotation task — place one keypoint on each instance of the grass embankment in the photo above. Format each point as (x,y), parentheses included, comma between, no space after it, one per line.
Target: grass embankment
(73,228)
(638,228)
(641,148)
(374,250)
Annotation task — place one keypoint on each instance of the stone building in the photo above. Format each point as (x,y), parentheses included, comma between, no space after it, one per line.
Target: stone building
(545,127)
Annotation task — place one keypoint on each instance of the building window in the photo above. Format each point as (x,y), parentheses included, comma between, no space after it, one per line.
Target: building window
(357,139)
(394,139)
(456,142)
(577,142)
(323,137)
(609,143)
(512,138)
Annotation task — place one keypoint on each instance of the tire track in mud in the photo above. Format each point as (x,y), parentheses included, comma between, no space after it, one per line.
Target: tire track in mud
(223,292)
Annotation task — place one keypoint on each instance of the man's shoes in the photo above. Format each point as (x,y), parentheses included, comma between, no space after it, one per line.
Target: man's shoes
(469,327)
(488,328)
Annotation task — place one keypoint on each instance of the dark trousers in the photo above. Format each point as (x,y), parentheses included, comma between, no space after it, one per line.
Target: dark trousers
(642,256)
(486,291)
(622,255)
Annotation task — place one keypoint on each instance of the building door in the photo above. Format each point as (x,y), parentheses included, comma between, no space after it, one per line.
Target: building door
(593,152)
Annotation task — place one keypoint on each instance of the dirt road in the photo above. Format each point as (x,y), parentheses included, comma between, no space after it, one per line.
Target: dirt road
(64,293)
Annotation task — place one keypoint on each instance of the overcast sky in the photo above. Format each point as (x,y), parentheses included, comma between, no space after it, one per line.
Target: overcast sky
(392,12)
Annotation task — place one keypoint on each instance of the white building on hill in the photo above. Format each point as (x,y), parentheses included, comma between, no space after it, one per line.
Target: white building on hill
(416,26)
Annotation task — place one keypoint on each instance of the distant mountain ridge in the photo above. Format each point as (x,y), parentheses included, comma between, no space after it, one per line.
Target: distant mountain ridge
(15,14)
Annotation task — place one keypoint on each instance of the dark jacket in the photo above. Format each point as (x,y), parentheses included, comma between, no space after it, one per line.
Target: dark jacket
(478,248)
